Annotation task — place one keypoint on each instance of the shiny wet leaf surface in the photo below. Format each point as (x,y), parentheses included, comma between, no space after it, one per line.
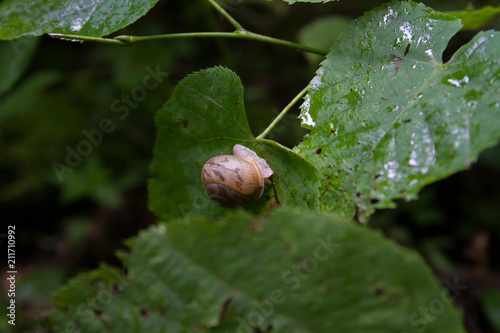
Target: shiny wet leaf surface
(77,17)
(387,116)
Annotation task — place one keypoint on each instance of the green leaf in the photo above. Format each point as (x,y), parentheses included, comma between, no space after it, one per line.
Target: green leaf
(292,272)
(205,117)
(476,18)
(88,18)
(387,117)
(15,56)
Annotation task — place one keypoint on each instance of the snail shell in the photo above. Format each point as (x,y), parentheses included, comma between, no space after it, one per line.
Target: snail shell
(235,180)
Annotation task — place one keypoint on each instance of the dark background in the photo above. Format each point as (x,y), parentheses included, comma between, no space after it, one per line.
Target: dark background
(65,228)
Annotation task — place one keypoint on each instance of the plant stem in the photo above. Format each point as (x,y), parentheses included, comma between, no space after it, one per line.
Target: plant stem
(284,112)
(221,10)
(241,34)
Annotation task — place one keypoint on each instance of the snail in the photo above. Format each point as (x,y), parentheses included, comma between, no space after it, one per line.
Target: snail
(235,180)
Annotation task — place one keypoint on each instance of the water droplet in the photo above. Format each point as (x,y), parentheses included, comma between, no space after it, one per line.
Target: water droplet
(391,168)
(305,115)
(76,25)
(459,83)
(407,30)
(316,81)
(474,46)
(391,13)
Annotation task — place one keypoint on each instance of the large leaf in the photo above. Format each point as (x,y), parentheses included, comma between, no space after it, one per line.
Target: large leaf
(15,56)
(82,17)
(388,117)
(293,272)
(205,117)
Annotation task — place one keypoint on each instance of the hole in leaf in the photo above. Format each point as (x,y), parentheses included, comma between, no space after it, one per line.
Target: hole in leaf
(116,289)
(224,309)
(461,38)
(407,50)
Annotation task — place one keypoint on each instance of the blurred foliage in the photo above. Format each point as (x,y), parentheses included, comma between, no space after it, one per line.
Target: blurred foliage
(491,303)
(476,18)
(296,251)
(70,87)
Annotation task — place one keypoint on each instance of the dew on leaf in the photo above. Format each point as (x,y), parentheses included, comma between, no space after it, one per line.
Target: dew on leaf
(391,169)
(413,158)
(316,81)
(76,25)
(459,83)
(407,30)
(474,46)
(391,14)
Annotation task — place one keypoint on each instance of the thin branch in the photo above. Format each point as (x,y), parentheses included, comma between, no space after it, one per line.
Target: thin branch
(221,10)
(126,39)
(283,113)
(236,34)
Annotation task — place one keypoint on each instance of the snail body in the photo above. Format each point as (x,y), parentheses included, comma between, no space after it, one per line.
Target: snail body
(236,180)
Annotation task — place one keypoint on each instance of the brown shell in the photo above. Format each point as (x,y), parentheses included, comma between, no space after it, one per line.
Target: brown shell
(239,180)
(225,196)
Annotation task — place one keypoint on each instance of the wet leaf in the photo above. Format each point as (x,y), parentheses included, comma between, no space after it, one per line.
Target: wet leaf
(290,272)
(77,17)
(387,117)
(205,117)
